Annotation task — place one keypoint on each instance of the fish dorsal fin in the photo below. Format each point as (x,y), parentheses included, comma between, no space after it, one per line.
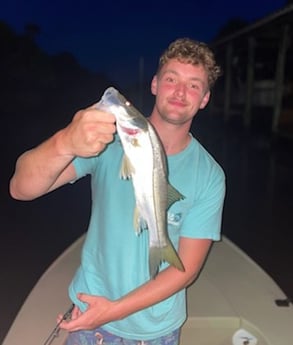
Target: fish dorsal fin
(173,195)
(127,168)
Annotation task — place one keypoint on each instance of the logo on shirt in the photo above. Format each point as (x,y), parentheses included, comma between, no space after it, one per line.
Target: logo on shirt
(174,218)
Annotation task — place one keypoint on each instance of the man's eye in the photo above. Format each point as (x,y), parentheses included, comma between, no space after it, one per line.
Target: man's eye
(195,86)
(170,79)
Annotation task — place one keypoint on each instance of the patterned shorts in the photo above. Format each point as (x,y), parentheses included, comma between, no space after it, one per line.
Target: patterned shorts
(99,336)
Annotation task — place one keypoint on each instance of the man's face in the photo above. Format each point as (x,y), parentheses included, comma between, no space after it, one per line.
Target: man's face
(181,89)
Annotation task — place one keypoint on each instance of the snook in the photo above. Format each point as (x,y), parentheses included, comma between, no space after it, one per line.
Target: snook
(144,162)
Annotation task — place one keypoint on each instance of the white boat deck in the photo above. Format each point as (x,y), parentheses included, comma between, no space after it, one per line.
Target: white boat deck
(232,294)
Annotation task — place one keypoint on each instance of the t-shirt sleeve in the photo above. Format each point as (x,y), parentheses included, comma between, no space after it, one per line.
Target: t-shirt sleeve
(84,166)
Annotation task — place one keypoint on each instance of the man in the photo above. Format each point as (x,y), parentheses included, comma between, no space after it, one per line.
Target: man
(115,299)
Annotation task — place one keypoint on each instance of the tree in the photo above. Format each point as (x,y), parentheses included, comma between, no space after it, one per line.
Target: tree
(32,30)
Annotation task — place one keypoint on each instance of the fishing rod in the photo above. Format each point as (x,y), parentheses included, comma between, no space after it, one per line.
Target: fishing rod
(55,333)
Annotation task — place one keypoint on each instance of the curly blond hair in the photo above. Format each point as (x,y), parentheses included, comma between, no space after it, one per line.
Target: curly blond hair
(192,52)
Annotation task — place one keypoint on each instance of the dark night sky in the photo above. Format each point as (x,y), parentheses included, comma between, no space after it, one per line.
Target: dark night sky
(111,36)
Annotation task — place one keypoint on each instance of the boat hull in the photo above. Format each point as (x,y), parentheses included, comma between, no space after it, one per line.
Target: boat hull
(232,299)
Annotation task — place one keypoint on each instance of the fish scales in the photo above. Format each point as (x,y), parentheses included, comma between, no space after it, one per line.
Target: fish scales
(144,162)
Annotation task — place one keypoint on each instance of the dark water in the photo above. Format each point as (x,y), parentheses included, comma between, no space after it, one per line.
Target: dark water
(257,214)
(259,201)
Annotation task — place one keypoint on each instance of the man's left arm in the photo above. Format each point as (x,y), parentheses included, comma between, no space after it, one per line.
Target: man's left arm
(192,252)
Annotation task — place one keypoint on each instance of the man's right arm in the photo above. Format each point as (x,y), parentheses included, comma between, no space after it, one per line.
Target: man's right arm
(41,170)
(49,165)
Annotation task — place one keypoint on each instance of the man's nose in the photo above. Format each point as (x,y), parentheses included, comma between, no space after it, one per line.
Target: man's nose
(180,89)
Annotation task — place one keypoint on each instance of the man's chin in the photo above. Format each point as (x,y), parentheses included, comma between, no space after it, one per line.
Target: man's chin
(177,119)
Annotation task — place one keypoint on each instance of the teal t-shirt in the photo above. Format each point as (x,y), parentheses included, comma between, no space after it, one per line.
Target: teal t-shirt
(115,260)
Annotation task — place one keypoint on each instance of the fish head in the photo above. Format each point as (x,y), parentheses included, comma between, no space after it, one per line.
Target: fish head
(129,120)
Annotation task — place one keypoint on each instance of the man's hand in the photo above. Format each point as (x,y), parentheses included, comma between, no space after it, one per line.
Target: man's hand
(100,310)
(88,133)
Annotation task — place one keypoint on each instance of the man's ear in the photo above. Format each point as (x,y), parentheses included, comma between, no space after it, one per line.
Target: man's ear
(205,100)
(154,84)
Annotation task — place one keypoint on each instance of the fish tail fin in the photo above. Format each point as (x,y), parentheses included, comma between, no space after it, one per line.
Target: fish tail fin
(166,253)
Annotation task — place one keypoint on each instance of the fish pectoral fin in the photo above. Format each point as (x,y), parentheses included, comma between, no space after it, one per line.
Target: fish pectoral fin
(173,195)
(127,168)
(159,254)
(139,223)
